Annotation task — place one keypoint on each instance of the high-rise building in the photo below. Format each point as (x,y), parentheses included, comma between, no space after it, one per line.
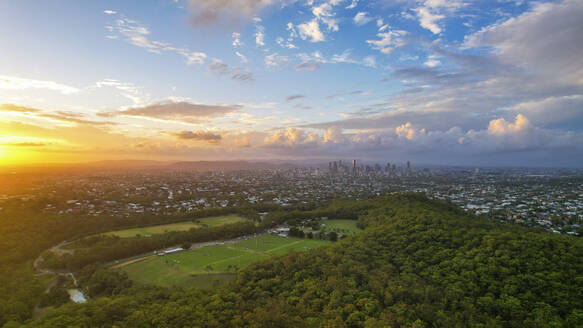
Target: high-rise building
(353,165)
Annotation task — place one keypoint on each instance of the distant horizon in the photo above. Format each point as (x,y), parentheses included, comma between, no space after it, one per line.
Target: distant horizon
(305,163)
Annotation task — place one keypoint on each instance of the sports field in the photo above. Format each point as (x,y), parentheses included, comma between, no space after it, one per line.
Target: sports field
(346,227)
(180,226)
(202,266)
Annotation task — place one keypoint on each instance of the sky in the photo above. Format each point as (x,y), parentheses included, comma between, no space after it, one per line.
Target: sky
(446,82)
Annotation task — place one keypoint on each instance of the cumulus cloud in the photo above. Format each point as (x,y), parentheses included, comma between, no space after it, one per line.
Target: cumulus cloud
(197,136)
(500,127)
(407,131)
(518,140)
(291,137)
(311,30)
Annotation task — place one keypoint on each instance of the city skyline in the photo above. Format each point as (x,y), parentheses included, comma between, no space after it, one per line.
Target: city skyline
(479,83)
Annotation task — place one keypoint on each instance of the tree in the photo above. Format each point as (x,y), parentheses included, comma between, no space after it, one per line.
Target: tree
(333,236)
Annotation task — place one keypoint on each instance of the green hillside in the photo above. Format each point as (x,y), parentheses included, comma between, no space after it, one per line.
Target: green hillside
(418,263)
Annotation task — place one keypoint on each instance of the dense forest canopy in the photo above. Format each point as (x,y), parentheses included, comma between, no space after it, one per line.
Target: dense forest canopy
(418,263)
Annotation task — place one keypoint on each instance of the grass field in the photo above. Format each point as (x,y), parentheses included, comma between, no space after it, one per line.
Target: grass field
(201,267)
(180,226)
(346,227)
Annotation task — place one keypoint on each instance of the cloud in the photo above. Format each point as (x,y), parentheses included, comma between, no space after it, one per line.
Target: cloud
(60,116)
(407,131)
(138,35)
(218,67)
(241,57)
(307,66)
(243,77)
(210,12)
(17,83)
(310,62)
(351,93)
(287,43)
(260,36)
(500,127)
(311,30)
(290,138)
(15,108)
(388,41)
(432,61)
(197,136)
(242,142)
(344,57)
(274,60)
(177,111)
(369,61)
(546,38)
(433,11)
(324,13)
(294,97)
(27,142)
(110,12)
(362,18)
(428,20)
(552,110)
(126,89)
(353,4)
(501,143)
(237,39)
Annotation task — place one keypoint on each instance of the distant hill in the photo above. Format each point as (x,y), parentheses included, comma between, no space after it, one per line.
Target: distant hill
(137,165)
(228,165)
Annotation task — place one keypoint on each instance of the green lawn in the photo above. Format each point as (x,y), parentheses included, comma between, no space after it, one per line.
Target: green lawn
(201,267)
(180,226)
(346,227)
